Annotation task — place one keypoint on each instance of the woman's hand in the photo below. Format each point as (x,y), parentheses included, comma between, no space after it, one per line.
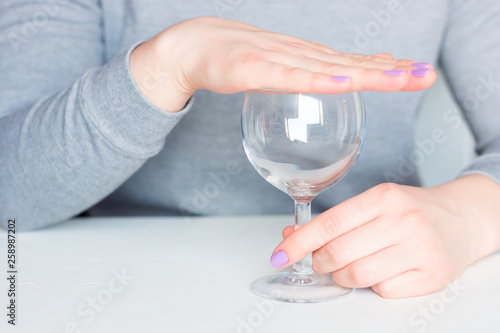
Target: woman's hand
(402,241)
(227,56)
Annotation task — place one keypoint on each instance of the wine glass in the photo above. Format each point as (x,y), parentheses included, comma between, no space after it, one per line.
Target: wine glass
(302,144)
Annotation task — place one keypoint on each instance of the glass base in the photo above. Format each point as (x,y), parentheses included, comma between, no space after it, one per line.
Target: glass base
(299,288)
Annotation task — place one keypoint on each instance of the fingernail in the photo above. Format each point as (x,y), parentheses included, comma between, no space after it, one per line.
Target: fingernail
(395,72)
(421,64)
(420,72)
(341,78)
(279,259)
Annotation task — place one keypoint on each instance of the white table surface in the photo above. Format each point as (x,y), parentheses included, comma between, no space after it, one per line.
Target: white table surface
(194,276)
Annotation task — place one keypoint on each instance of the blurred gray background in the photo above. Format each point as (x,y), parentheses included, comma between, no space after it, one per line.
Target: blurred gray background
(451,156)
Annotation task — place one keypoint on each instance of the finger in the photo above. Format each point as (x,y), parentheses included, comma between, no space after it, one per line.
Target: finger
(421,78)
(387,77)
(297,46)
(381,77)
(375,268)
(333,223)
(358,243)
(384,55)
(385,58)
(408,284)
(348,59)
(288,231)
(271,75)
(323,64)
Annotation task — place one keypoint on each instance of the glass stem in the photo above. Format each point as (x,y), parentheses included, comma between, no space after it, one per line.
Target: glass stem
(302,216)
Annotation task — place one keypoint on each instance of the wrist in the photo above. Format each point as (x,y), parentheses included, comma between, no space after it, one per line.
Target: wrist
(157,75)
(474,200)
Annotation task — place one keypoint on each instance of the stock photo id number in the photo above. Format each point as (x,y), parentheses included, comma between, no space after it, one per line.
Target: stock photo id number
(11,272)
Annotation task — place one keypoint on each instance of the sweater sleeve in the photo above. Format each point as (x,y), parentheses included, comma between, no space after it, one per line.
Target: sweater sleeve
(470,58)
(72,129)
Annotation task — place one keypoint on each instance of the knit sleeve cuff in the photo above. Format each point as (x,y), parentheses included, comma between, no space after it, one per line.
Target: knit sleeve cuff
(116,107)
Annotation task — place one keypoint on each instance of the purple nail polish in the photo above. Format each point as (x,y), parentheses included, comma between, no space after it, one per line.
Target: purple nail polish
(396,72)
(341,78)
(420,72)
(279,259)
(420,64)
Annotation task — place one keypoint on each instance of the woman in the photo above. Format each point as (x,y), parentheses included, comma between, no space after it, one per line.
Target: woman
(91,118)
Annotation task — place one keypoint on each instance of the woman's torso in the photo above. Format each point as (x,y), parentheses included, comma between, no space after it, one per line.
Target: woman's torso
(203,169)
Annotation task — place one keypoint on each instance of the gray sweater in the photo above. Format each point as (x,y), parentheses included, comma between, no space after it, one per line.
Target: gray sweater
(76,134)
